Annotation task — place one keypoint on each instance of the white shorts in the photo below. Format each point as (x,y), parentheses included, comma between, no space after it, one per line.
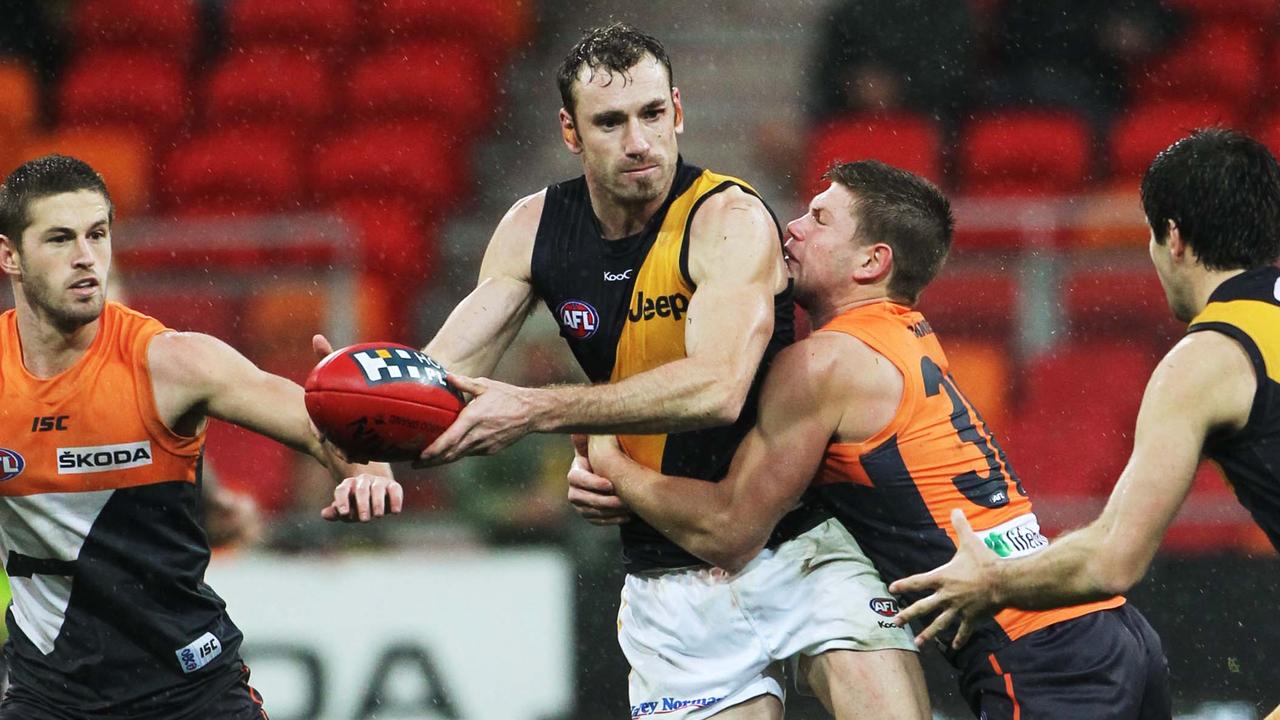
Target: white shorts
(701,640)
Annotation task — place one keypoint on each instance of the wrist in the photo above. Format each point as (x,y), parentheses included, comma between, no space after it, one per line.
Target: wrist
(543,410)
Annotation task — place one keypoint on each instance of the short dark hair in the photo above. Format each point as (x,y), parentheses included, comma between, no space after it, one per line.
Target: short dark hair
(905,212)
(1222,190)
(612,48)
(40,178)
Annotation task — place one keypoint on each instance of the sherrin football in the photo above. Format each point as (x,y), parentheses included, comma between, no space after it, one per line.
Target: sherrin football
(381,401)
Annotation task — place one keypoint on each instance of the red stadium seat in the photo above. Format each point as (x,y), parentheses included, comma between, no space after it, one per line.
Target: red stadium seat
(442,81)
(416,162)
(1216,63)
(1211,519)
(490,22)
(327,28)
(123,159)
(252,464)
(19,96)
(1120,303)
(269,86)
(396,259)
(234,171)
(911,142)
(1144,130)
(137,90)
(1025,152)
(167,26)
(183,308)
(1073,430)
(971,303)
(981,369)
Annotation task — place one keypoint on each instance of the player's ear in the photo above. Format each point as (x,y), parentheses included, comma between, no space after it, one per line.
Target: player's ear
(1178,247)
(678,109)
(569,133)
(876,264)
(9,258)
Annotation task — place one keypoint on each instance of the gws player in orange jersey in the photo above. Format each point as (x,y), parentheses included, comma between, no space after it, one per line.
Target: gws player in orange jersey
(102,427)
(669,287)
(1213,203)
(866,412)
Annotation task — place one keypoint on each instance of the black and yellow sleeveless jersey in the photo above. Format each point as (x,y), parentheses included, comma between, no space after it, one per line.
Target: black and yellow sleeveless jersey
(1247,308)
(621,306)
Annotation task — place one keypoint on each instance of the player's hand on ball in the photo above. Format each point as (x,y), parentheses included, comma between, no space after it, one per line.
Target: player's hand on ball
(364,497)
(964,587)
(593,496)
(498,415)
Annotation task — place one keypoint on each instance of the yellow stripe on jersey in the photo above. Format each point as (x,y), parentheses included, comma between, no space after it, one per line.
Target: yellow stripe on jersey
(1259,320)
(653,333)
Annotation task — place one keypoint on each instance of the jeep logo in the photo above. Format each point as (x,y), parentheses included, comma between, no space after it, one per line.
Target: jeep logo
(647,308)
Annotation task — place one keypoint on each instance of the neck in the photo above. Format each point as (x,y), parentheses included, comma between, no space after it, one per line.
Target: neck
(48,349)
(821,313)
(1205,282)
(620,220)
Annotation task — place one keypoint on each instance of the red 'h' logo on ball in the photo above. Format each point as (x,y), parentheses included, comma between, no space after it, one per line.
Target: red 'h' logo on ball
(579,320)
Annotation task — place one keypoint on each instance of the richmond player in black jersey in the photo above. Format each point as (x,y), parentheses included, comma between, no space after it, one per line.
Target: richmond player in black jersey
(1213,203)
(668,284)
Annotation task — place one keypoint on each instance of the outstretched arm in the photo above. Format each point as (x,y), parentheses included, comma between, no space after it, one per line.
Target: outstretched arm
(736,261)
(1206,383)
(195,376)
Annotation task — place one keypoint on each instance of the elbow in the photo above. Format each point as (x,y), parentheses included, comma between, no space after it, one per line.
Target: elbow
(1113,575)
(728,400)
(732,549)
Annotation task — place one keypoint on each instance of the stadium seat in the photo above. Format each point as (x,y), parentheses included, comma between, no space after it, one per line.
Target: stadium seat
(965,302)
(981,368)
(1211,519)
(1216,63)
(141,91)
(167,26)
(417,162)
(252,464)
(1109,218)
(184,308)
(122,158)
(1144,130)
(234,171)
(19,97)
(1128,302)
(1073,428)
(326,28)
(396,262)
(441,81)
(270,86)
(911,142)
(1025,152)
(491,23)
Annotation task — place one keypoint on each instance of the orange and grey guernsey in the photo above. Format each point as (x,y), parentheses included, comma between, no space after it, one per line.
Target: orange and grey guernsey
(100,536)
(1246,308)
(621,305)
(895,491)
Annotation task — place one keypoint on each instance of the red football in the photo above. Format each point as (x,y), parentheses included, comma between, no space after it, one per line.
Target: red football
(381,401)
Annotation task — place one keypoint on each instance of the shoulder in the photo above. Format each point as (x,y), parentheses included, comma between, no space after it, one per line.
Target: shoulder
(188,358)
(525,212)
(826,360)
(733,232)
(1206,373)
(510,250)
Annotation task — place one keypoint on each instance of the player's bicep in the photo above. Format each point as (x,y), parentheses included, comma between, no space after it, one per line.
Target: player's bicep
(199,375)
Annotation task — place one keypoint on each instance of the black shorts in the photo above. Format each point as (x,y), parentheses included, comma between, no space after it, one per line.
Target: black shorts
(1105,665)
(239,702)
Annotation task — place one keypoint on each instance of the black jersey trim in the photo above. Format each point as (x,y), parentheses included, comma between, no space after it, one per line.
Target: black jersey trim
(1261,396)
(693,211)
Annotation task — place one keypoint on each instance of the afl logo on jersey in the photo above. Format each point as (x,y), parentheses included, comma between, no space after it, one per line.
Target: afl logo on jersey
(578,319)
(11,464)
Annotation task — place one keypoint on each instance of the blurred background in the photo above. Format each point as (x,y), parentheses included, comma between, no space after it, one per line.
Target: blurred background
(282,167)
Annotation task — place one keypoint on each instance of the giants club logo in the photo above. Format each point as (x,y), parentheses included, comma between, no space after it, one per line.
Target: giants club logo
(578,319)
(11,464)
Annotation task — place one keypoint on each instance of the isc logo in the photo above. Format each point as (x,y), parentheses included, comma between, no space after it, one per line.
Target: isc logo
(578,319)
(11,464)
